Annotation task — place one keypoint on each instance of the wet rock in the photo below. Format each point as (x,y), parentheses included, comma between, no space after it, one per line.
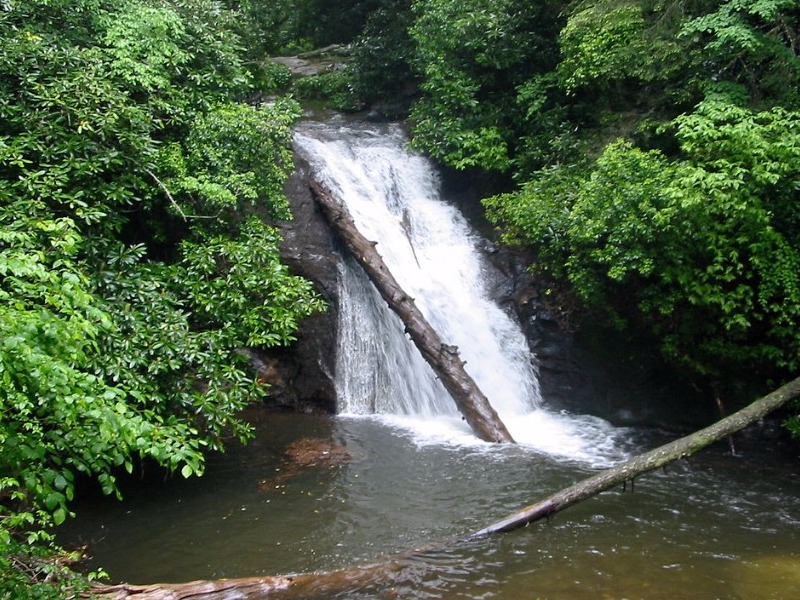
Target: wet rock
(323,60)
(316,452)
(302,375)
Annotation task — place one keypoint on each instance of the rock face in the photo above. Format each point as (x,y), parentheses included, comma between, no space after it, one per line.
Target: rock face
(302,376)
(595,370)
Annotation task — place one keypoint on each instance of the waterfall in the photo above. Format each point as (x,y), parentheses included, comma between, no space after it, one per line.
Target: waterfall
(433,253)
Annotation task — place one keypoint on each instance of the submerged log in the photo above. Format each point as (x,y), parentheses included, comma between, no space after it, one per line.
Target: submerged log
(409,564)
(444,359)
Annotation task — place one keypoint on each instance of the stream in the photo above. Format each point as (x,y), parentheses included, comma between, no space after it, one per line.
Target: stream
(714,526)
(398,468)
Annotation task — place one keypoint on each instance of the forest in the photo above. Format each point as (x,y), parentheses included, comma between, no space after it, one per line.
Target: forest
(647,152)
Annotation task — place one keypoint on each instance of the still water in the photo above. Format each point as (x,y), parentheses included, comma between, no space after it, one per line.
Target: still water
(713,526)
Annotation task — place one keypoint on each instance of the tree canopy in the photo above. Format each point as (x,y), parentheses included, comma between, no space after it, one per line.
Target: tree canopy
(138,195)
(687,228)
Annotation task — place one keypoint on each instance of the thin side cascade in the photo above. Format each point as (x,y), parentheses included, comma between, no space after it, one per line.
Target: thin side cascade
(378,371)
(393,196)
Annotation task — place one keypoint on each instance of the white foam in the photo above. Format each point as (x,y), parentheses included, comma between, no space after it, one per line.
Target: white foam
(576,438)
(432,252)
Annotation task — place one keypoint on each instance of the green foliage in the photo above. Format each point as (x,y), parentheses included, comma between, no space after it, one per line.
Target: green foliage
(216,71)
(121,309)
(59,415)
(233,155)
(336,21)
(243,279)
(273,77)
(38,571)
(757,152)
(593,225)
(547,134)
(383,54)
(468,55)
(611,44)
(143,44)
(752,42)
(270,26)
(600,43)
(287,27)
(67,131)
(792,423)
(333,87)
(701,251)
(507,87)
(169,367)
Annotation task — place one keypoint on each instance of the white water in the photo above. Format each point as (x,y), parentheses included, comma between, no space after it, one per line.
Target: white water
(393,196)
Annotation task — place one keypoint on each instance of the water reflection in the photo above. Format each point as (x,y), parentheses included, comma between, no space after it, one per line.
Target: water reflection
(712,527)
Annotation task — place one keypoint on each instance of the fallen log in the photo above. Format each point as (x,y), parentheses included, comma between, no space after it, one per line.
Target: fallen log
(644,463)
(443,358)
(280,587)
(310,585)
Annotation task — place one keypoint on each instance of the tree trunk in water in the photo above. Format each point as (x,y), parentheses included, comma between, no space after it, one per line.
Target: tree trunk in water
(649,461)
(444,359)
(395,568)
(281,587)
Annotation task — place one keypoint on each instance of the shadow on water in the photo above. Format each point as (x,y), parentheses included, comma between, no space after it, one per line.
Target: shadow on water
(713,527)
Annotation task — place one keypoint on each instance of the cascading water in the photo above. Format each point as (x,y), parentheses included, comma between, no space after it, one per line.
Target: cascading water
(705,529)
(393,196)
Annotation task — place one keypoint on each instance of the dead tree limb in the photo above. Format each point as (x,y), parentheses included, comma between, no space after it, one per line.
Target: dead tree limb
(281,587)
(310,585)
(644,463)
(444,359)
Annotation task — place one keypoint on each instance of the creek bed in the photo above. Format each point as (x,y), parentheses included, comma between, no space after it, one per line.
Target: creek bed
(714,526)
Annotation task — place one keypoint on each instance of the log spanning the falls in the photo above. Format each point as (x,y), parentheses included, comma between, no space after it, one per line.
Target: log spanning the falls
(443,358)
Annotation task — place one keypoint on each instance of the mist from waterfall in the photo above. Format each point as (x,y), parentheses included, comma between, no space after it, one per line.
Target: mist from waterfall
(394,197)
